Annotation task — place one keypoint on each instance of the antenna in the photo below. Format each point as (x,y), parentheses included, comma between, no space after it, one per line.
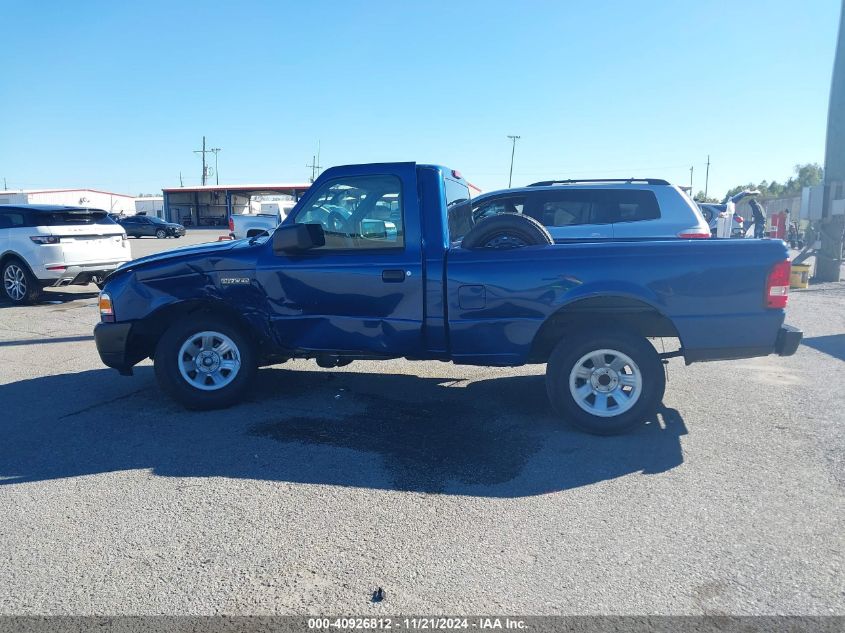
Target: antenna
(514,138)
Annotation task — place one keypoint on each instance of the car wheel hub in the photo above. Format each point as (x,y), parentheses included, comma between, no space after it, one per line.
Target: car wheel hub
(209,360)
(605,383)
(14,281)
(604,379)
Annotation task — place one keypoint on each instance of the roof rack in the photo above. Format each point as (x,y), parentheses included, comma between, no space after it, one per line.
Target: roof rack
(648,181)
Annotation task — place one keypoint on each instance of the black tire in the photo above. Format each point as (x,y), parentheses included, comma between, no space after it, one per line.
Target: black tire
(507,230)
(27,289)
(569,354)
(161,234)
(171,380)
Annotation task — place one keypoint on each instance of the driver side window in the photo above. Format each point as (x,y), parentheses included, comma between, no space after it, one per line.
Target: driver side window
(363,212)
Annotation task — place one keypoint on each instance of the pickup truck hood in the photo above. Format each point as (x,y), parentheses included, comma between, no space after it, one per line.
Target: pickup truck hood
(200,252)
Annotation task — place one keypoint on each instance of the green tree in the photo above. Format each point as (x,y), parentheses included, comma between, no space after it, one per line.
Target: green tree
(807,175)
(700,197)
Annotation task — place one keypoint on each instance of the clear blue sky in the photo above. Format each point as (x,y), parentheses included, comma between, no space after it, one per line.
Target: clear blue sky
(116,95)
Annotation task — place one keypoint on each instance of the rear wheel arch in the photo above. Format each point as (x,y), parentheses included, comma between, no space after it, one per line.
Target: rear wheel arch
(616,312)
(8,255)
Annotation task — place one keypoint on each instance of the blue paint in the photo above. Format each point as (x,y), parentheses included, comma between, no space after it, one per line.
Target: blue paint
(478,307)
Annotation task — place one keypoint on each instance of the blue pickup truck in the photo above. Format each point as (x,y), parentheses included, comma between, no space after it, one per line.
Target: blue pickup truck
(379,261)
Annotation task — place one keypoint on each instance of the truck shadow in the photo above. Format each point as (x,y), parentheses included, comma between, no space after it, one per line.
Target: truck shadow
(494,437)
(833,344)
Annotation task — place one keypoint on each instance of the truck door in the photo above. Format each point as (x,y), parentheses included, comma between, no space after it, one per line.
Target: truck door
(362,292)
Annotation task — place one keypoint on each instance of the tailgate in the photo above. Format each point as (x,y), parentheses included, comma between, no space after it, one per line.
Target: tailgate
(85,235)
(88,247)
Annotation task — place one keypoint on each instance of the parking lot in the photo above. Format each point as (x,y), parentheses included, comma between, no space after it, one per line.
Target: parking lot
(453,488)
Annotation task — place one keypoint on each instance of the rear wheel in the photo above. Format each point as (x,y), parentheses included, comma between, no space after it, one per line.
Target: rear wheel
(605,382)
(19,284)
(205,362)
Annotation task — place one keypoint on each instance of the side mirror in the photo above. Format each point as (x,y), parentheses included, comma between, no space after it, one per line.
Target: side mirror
(297,238)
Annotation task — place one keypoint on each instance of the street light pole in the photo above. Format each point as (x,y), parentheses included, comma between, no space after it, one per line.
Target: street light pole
(513,151)
(216,173)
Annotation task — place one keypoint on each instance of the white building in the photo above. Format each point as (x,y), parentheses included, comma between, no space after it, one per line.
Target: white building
(150,205)
(112,202)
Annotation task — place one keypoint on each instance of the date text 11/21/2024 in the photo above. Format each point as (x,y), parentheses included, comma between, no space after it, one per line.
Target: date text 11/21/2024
(421,623)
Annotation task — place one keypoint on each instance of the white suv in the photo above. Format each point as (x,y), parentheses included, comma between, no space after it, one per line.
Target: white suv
(45,245)
(630,209)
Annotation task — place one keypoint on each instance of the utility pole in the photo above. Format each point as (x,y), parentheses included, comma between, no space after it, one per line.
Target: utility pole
(216,150)
(181,184)
(691,193)
(315,167)
(315,164)
(707,177)
(5,188)
(832,226)
(514,138)
(203,151)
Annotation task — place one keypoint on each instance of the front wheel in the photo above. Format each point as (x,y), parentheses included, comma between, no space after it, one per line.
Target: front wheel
(605,382)
(205,362)
(161,234)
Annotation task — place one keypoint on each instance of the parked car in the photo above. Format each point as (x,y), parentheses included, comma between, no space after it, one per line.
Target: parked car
(600,209)
(150,226)
(45,245)
(337,289)
(272,214)
(712,212)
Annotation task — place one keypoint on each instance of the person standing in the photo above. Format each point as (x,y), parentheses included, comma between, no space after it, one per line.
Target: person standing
(759,217)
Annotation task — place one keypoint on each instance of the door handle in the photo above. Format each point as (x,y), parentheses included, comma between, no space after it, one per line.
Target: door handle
(393,276)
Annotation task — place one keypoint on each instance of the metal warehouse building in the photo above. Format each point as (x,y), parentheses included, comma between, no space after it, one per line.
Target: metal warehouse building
(211,205)
(107,200)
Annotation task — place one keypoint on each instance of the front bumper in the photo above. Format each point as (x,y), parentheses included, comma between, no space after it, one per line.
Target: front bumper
(788,340)
(112,341)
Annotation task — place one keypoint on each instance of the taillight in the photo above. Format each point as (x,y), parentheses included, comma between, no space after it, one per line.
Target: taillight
(777,285)
(694,234)
(231,224)
(738,218)
(106,310)
(45,239)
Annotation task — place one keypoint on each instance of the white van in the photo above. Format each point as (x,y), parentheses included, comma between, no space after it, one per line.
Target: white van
(46,245)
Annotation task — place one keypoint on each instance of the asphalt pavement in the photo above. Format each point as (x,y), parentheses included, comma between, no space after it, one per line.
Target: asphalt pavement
(455,489)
